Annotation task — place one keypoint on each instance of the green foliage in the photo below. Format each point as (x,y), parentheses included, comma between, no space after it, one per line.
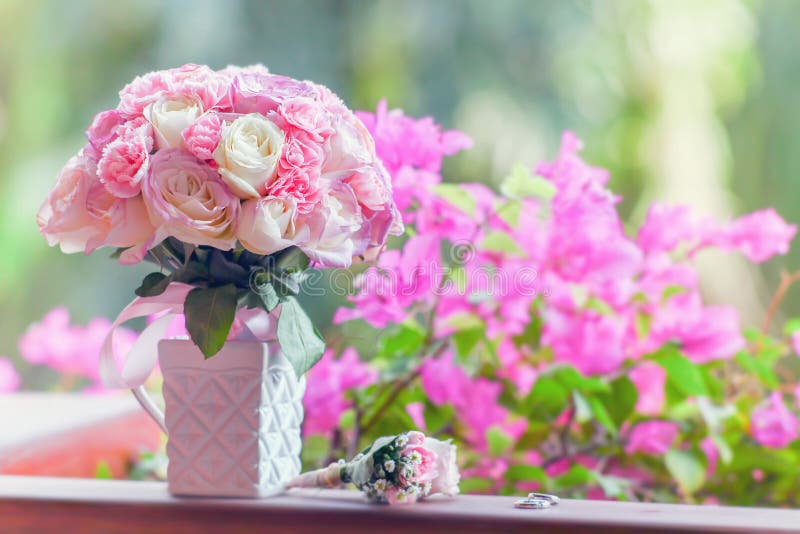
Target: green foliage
(209,315)
(300,341)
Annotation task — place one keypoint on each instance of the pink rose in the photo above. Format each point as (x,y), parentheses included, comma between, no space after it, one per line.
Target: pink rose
(772,424)
(123,165)
(332,228)
(652,437)
(127,222)
(267,225)
(371,187)
(186,199)
(63,218)
(253,90)
(202,137)
(103,129)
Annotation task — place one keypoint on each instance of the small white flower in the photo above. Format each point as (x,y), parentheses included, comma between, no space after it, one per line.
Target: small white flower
(388,465)
(401,441)
(380,485)
(401,496)
(415,457)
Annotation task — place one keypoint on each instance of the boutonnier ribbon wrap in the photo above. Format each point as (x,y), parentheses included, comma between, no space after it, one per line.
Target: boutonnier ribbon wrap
(232,182)
(395,469)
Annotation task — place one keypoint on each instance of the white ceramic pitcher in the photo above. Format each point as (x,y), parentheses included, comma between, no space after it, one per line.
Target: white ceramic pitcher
(233,421)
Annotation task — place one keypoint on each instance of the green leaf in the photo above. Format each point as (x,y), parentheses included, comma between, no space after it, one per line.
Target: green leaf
(525,473)
(475,485)
(686,469)
(209,315)
(153,284)
(791,326)
(498,441)
(498,241)
(509,211)
(572,379)
(681,372)
(522,184)
(466,340)
(583,410)
(300,341)
(601,414)
(621,402)
(403,341)
(613,486)
(577,475)
(458,197)
(103,471)
(547,398)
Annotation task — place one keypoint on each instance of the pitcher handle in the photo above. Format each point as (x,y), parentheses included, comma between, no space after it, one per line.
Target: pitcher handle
(152,409)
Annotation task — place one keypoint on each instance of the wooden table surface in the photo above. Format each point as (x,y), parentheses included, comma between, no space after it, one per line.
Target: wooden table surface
(40,505)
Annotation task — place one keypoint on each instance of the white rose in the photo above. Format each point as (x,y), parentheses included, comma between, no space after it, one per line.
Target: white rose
(448,477)
(169,117)
(248,154)
(267,225)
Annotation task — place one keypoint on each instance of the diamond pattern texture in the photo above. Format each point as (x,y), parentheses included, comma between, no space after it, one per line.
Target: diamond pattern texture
(232,432)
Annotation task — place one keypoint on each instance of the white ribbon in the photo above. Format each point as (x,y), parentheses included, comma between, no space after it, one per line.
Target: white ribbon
(141,359)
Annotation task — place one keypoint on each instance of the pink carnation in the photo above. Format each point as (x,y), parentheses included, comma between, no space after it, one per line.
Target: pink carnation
(208,87)
(772,424)
(125,160)
(307,115)
(202,137)
(103,129)
(652,437)
(141,92)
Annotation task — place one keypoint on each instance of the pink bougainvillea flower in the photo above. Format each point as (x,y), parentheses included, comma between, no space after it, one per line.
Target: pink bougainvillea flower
(652,437)
(711,451)
(772,424)
(9,378)
(649,379)
(666,227)
(591,342)
(71,349)
(759,235)
(704,333)
(328,381)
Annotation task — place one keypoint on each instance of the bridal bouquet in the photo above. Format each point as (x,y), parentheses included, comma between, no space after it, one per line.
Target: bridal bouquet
(233,182)
(395,469)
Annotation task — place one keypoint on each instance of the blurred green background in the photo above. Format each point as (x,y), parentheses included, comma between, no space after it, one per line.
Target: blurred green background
(684,101)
